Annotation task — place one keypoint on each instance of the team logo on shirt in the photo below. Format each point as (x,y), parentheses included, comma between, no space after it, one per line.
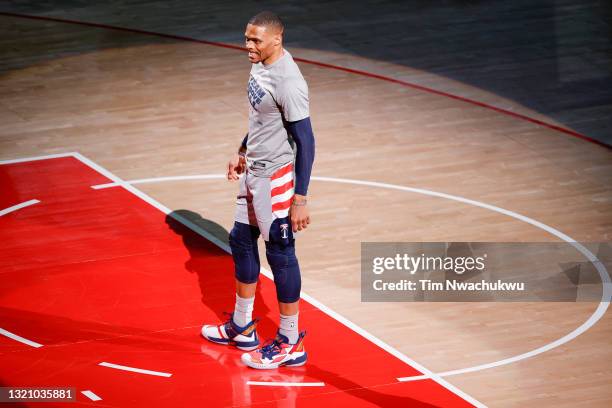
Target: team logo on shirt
(254,92)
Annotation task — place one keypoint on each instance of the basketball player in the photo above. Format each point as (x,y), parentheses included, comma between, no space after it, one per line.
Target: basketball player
(272,196)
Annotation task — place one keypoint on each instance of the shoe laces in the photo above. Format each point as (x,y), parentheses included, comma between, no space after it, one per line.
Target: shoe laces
(271,348)
(229,324)
(229,316)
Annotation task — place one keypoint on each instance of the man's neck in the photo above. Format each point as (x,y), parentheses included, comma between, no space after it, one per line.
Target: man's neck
(274,57)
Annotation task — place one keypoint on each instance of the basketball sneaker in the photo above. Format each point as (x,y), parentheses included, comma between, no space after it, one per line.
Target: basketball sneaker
(245,338)
(277,353)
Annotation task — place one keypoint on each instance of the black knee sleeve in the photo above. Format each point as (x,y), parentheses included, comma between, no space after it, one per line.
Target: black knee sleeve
(280,252)
(243,242)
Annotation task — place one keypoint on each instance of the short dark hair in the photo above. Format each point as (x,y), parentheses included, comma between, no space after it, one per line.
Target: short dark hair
(267,19)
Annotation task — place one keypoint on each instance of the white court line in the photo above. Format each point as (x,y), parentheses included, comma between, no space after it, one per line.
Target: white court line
(286,384)
(19,338)
(47,157)
(18,207)
(158,179)
(91,395)
(134,369)
(603,272)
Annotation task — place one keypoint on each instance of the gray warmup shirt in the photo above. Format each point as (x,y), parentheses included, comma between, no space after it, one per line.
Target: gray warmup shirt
(276,92)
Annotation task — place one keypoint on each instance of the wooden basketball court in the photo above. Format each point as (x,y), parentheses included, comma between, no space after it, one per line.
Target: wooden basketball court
(121,134)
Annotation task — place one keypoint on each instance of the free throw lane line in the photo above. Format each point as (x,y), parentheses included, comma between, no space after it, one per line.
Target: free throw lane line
(91,395)
(286,384)
(19,338)
(134,369)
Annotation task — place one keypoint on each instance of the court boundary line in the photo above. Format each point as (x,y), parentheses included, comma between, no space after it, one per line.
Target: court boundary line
(333,314)
(359,72)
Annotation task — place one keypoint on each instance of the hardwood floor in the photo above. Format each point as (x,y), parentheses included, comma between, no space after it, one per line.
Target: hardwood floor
(145,106)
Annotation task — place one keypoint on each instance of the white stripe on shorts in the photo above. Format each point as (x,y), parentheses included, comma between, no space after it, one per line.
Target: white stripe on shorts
(277,182)
(280,198)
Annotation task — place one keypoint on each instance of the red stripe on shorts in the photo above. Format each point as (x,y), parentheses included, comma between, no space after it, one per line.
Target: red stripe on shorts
(281,189)
(282,171)
(282,206)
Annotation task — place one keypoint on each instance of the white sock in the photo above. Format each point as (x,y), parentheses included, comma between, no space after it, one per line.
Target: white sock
(289,327)
(243,310)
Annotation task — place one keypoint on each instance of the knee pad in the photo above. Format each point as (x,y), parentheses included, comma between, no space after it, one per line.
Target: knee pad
(280,252)
(243,242)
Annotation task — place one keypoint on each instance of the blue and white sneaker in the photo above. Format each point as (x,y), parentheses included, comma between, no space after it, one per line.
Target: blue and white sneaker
(245,338)
(277,353)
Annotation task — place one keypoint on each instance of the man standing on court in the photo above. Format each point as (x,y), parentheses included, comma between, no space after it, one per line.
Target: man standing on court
(272,196)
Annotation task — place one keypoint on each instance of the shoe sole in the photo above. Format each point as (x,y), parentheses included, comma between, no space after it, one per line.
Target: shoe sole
(275,365)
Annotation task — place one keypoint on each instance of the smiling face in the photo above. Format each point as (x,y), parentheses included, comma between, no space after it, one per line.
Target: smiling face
(264,43)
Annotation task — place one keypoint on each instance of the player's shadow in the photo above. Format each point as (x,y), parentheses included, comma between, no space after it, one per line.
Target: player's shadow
(213,265)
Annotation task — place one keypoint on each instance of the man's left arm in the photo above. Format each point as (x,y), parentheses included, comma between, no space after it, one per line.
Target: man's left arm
(301,131)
